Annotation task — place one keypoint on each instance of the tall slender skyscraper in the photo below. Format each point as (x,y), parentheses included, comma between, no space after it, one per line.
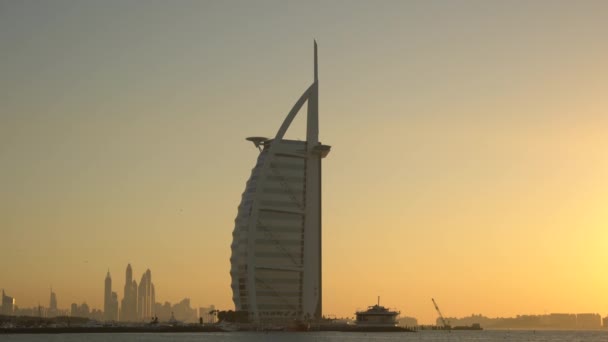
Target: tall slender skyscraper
(145,297)
(114,307)
(53,304)
(8,304)
(53,301)
(276,247)
(128,311)
(107,298)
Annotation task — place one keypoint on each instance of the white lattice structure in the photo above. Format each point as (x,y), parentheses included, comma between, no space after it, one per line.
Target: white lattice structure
(276,248)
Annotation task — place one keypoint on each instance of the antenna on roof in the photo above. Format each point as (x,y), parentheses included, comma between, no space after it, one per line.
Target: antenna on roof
(312,118)
(316,64)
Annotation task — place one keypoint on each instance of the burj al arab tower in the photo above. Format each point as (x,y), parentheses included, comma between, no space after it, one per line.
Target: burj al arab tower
(276,247)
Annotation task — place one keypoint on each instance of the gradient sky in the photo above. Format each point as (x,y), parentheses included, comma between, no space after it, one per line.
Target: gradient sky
(469,147)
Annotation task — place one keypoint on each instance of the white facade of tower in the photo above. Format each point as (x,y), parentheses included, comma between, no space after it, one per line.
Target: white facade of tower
(276,248)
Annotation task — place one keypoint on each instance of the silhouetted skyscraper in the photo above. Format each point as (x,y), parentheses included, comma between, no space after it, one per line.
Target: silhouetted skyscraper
(52,304)
(152,299)
(108,307)
(276,246)
(114,307)
(8,304)
(53,301)
(128,309)
(145,297)
(80,310)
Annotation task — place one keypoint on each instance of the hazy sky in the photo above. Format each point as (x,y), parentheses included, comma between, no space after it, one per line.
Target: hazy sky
(469,147)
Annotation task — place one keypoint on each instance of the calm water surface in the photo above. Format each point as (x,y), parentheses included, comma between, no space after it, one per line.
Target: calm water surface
(456,336)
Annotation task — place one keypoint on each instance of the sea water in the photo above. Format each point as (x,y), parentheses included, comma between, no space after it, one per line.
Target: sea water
(444,336)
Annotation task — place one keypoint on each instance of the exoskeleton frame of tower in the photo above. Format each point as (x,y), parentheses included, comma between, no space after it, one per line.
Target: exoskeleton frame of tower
(276,247)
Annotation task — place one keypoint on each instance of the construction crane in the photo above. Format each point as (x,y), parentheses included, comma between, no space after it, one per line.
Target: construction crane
(446,324)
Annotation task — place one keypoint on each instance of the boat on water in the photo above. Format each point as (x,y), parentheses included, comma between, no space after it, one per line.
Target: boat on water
(228,327)
(174,322)
(377,318)
(474,326)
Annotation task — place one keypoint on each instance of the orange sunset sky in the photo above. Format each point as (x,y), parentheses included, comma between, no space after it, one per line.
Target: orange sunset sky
(469,147)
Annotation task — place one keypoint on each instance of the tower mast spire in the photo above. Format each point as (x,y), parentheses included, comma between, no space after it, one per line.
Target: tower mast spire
(316,64)
(312,122)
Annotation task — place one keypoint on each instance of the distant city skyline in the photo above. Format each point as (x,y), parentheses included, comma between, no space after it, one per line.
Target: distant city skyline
(134,306)
(468,142)
(183,312)
(572,321)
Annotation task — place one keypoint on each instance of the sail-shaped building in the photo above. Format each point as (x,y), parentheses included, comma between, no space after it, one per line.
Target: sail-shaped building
(276,248)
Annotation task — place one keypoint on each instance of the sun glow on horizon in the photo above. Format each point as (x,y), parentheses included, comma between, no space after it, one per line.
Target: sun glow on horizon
(468,165)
